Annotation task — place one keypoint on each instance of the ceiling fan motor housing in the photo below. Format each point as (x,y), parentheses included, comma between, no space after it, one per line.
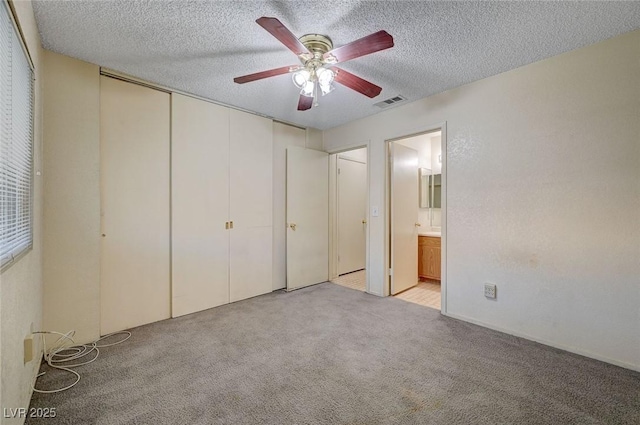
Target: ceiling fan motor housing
(317,43)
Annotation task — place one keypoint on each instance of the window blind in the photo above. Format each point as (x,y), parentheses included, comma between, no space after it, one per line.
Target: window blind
(16,142)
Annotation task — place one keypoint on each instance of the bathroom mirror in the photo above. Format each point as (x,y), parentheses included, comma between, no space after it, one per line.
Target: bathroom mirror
(430,187)
(430,196)
(423,187)
(435,190)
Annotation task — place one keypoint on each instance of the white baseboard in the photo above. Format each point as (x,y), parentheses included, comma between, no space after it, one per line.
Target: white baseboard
(545,342)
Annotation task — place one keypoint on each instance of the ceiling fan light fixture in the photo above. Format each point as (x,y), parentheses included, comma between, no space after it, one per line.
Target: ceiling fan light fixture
(326,88)
(300,78)
(308,89)
(325,76)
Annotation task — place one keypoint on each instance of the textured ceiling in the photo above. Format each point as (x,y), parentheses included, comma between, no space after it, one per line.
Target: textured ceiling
(199,47)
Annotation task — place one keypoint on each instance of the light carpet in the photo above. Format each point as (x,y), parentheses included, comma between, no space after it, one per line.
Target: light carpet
(330,355)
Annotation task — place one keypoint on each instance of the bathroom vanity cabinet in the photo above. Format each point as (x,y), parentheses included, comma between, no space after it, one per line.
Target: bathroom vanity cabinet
(429,257)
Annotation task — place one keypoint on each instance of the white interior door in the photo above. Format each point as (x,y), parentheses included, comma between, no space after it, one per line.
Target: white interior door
(352,210)
(250,205)
(134,155)
(307,217)
(283,136)
(404,216)
(200,205)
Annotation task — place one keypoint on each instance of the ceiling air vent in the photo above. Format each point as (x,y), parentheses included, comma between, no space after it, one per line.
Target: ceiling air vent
(390,101)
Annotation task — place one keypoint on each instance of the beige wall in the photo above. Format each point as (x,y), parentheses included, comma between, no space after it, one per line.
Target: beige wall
(314,139)
(21,284)
(542,169)
(71,265)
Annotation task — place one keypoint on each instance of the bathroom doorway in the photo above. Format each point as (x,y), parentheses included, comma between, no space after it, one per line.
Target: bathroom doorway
(348,224)
(415,223)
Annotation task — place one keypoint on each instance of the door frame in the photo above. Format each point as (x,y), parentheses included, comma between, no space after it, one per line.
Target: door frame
(387,202)
(333,209)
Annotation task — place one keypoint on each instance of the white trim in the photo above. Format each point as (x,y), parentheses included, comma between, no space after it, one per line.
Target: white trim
(443,225)
(543,341)
(333,214)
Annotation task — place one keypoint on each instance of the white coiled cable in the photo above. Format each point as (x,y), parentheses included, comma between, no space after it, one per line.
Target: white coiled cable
(60,354)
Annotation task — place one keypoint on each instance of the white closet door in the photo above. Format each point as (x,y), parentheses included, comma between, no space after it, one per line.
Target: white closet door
(200,204)
(134,154)
(251,205)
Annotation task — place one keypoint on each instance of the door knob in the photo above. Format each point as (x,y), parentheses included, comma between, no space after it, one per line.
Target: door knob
(293,226)
(418,224)
(364,221)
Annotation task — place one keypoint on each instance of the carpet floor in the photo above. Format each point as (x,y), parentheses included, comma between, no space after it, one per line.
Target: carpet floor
(331,355)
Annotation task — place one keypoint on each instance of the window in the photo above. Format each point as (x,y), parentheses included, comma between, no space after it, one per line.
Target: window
(16,142)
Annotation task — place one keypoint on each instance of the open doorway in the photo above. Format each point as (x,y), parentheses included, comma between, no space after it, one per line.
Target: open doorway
(348,205)
(415,196)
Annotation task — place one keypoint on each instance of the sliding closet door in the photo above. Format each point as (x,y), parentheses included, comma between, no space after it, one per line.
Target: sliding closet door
(200,204)
(134,155)
(251,208)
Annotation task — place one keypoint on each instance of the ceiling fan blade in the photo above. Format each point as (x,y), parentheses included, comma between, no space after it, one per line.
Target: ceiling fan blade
(264,74)
(282,33)
(356,83)
(364,46)
(305,103)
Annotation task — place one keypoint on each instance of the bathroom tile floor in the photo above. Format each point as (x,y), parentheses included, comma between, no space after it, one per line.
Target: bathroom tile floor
(355,280)
(426,293)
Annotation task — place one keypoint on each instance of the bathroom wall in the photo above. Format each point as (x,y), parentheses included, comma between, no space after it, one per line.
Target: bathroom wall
(428,147)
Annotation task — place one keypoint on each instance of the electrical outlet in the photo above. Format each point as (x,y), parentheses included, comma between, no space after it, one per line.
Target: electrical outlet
(490,290)
(28,349)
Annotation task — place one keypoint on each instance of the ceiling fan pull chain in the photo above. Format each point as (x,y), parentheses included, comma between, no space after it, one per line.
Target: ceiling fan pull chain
(315,93)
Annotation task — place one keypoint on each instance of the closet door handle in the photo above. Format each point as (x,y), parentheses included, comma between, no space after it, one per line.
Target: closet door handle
(292,226)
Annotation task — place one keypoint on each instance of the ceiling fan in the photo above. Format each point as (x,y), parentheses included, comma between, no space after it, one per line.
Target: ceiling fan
(318,58)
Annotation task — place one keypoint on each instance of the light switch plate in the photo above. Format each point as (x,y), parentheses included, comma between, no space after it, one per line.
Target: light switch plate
(375,212)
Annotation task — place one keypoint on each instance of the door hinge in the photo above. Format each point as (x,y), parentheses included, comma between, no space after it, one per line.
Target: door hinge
(390,272)
(338,171)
